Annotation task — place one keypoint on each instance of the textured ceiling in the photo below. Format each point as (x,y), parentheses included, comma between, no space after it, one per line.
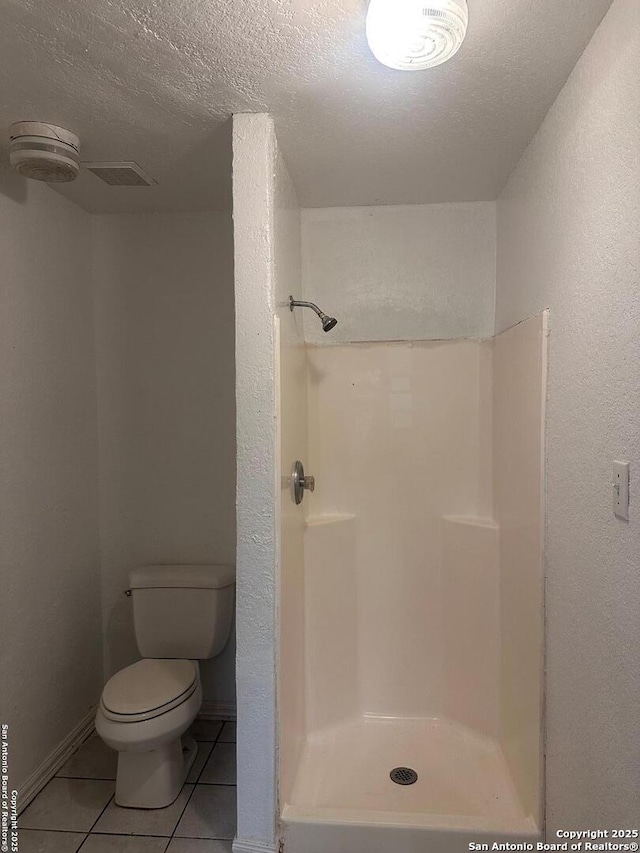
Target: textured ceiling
(156,82)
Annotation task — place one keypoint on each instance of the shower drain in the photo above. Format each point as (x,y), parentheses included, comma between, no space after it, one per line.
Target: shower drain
(403,776)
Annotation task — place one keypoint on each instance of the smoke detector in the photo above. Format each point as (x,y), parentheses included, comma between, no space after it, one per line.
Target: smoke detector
(44,152)
(121,174)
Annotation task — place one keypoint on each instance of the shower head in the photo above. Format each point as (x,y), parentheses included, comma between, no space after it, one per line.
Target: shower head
(328,323)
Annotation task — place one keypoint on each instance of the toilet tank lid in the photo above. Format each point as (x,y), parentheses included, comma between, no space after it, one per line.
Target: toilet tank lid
(182,577)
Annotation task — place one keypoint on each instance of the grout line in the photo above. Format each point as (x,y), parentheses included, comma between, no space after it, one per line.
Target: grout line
(189,838)
(82,842)
(195,784)
(222,729)
(43,829)
(112,797)
(199,838)
(197,781)
(88,778)
(182,812)
(173,832)
(213,749)
(128,835)
(216,742)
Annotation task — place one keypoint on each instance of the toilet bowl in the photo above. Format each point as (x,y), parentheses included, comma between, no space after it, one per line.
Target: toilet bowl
(144,712)
(181,614)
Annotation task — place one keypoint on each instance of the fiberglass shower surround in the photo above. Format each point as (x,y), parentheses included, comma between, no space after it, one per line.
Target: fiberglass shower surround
(418,655)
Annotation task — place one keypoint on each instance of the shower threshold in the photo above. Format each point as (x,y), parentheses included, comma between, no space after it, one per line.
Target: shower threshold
(343,798)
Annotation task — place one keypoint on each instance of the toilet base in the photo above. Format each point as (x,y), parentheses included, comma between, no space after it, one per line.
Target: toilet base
(153,780)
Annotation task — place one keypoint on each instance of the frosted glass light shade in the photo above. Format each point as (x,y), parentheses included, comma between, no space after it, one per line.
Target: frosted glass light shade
(410,35)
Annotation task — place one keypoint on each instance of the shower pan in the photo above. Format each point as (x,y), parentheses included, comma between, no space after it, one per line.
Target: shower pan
(411,625)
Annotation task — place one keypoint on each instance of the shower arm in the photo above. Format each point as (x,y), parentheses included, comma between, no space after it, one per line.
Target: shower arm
(328,323)
(295,303)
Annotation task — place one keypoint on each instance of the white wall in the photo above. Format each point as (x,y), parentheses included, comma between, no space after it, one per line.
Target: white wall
(164,319)
(254,191)
(568,226)
(51,660)
(270,530)
(292,399)
(400,273)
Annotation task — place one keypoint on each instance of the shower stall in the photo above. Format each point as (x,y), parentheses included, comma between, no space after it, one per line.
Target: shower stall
(405,594)
(419,606)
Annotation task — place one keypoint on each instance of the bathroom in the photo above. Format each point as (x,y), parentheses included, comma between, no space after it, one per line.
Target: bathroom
(438,646)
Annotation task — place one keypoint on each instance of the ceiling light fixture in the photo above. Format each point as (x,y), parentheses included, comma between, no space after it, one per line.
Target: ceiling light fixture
(411,35)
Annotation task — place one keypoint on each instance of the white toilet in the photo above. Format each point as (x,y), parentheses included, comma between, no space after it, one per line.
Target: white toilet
(181,614)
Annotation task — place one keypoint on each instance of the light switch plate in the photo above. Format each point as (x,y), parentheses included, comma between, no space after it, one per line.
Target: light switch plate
(621,489)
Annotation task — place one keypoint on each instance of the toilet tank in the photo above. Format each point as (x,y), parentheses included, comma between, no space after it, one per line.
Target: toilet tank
(182,611)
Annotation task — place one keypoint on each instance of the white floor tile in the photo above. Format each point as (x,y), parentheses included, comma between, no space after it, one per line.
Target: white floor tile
(44,841)
(220,769)
(211,813)
(204,751)
(205,729)
(94,760)
(121,821)
(123,844)
(68,804)
(198,845)
(229,732)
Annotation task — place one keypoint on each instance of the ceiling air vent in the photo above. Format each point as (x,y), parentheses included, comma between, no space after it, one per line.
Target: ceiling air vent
(124,174)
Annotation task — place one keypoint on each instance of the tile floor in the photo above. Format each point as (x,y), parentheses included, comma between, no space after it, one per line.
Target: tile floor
(76,810)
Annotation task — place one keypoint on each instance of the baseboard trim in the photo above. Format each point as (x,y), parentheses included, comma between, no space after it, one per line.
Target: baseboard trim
(251,847)
(212,710)
(54,761)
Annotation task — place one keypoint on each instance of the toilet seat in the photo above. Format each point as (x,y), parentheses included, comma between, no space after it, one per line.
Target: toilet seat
(148,689)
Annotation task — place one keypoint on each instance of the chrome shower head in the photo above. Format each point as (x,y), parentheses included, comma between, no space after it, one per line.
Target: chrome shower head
(328,323)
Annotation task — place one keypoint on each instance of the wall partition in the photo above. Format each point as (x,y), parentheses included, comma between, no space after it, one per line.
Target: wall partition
(390,620)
